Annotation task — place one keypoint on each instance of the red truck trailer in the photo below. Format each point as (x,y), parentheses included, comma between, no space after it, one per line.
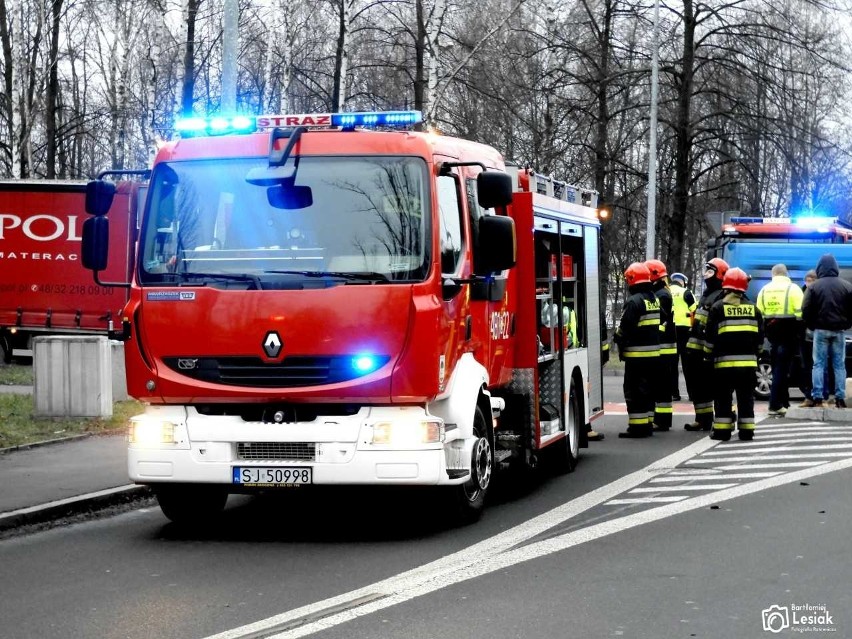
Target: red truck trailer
(338,300)
(43,288)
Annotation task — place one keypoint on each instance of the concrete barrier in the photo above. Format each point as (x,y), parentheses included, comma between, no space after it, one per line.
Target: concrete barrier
(73,376)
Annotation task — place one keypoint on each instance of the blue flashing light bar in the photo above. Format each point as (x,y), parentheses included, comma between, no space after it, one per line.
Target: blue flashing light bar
(217,125)
(376,119)
(814,221)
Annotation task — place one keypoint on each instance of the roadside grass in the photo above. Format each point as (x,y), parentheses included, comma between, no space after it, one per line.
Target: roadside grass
(16,375)
(19,426)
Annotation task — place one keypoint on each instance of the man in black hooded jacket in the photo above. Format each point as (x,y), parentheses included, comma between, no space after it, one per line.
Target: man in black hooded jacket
(827,311)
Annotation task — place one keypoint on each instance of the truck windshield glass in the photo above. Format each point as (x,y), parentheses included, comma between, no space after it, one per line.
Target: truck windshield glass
(337,215)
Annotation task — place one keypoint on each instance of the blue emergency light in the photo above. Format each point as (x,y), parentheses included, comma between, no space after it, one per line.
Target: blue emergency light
(217,125)
(365,363)
(376,119)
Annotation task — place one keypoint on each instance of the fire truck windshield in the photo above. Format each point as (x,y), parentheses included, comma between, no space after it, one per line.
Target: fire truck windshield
(343,216)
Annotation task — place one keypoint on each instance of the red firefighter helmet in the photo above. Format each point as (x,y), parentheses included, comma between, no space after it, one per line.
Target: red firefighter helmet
(657,268)
(718,266)
(637,273)
(736,279)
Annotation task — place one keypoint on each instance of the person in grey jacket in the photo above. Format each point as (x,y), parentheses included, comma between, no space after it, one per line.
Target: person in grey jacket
(827,311)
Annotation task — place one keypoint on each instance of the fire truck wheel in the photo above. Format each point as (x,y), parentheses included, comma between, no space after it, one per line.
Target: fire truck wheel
(469,498)
(567,451)
(191,505)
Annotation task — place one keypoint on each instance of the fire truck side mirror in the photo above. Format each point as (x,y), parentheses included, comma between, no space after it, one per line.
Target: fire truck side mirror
(493,188)
(99,195)
(95,245)
(496,246)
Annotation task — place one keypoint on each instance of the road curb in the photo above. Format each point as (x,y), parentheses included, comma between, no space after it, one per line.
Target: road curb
(90,502)
(46,442)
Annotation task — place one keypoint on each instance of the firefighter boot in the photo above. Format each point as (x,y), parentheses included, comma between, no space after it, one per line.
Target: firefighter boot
(745,435)
(637,432)
(721,434)
(696,426)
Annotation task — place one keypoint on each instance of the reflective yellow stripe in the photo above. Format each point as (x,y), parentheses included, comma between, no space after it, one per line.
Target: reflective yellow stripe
(637,354)
(738,328)
(739,364)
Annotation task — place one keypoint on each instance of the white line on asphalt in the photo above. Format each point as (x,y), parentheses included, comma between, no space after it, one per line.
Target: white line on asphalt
(674,489)
(774,441)
(758,456)
(770,465)
(487,548)
(645,500)
(759,450)
(801,432)
(671,478)
(416,583)
(786,425)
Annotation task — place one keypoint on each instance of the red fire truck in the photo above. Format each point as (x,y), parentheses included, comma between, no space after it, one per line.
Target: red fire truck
(336,299)
(42,288)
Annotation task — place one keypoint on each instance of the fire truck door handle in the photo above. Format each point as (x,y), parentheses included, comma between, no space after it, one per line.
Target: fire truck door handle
(467,328)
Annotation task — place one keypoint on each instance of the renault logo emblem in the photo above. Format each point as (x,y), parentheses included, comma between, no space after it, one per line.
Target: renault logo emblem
(272,344)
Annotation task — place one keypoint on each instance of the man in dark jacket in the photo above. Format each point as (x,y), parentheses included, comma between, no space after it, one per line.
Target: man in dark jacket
(827,311)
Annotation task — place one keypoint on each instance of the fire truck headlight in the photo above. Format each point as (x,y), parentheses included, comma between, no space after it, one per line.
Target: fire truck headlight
(403,434)
(154,433)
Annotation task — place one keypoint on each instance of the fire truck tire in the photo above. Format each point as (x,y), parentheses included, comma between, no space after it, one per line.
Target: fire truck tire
(190,505)
(567,451)
(469,498)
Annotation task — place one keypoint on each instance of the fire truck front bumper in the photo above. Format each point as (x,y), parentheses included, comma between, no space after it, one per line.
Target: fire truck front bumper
(376,446)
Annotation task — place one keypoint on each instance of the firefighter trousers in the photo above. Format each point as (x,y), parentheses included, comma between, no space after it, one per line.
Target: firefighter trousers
(639,387)
(663,391)
(699,381)
(740,382)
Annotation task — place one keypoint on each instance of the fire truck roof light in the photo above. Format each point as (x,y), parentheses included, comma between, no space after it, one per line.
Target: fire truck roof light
(376,119)
(217,125)
(812,221)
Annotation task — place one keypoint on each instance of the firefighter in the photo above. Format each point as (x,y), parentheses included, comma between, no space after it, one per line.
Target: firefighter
(638,340)
(683,304)
(698,371)
(733,341)
(668,347)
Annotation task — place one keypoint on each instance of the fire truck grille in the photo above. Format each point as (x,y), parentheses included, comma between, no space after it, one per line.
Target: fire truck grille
(293,371)
(277,450)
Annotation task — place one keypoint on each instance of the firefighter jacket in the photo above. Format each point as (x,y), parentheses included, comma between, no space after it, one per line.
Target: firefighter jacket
(734,335)
(668,332)
(712,292)
(638,332)
(780,302)
(683,303)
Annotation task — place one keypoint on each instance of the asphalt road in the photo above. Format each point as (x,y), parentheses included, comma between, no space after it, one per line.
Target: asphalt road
(675,536)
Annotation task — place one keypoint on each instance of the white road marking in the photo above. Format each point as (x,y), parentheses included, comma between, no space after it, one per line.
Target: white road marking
(659,489)
(671,478)
(467,565)
(503,550)
(646,500)
(754,450)
(794,432)
(771,465)
(767,441)
(762,457)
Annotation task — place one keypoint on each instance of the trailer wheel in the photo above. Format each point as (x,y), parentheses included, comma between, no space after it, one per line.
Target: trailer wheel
(191,505)
(469,498)
(567,452)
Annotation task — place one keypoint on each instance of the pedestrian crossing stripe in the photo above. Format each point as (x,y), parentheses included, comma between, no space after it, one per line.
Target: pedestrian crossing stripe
(782,449)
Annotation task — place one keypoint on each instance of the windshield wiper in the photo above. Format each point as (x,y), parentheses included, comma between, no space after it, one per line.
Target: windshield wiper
(349,276)
(229,277)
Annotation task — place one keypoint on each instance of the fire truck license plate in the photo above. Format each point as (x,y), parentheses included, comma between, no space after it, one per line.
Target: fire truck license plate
(271,475)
